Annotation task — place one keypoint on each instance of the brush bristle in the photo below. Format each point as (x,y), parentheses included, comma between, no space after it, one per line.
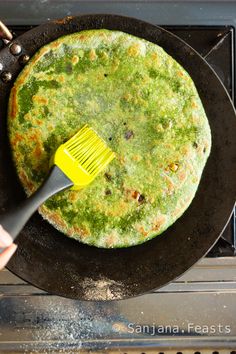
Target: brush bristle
(89,150)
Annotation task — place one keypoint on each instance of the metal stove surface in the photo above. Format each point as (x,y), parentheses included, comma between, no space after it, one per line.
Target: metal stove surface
(194,314)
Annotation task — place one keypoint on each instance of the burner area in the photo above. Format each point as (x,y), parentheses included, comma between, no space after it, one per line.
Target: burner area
(216,45)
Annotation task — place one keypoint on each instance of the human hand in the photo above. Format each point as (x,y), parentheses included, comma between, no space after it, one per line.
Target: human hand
(6,242)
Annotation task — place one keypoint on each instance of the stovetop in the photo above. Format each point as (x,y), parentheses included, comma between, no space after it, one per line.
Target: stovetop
(33,321)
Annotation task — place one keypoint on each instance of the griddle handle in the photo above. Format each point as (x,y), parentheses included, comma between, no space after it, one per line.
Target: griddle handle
(14,220)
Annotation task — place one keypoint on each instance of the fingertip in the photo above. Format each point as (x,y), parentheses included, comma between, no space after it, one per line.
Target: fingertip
(7,254)
(13,247)
(5,239)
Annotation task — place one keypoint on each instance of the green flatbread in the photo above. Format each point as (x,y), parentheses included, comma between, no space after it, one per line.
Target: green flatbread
(142,103)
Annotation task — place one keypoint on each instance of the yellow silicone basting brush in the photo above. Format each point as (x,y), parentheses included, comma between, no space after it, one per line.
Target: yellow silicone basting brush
(74,165)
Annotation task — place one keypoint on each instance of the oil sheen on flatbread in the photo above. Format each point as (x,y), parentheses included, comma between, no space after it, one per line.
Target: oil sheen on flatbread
(145,106)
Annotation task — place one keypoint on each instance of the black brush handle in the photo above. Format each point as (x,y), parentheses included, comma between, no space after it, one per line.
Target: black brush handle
(14,220)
